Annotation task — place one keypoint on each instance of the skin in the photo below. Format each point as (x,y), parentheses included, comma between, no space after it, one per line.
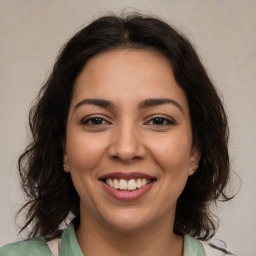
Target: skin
(128,138)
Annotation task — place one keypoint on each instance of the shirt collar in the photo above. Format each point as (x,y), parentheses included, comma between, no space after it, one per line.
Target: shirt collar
(69,245)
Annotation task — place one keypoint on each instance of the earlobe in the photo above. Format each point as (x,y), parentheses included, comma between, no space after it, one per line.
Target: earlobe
(65,167)
(65,164)
(65,159)
(194,160)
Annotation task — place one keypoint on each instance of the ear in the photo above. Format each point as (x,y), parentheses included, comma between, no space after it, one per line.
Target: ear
(195,156)
(65,158)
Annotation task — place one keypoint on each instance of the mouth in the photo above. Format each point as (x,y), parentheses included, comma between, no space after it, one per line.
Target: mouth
(127,186)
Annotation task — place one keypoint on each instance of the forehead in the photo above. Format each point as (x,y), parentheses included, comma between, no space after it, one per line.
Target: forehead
(123,74)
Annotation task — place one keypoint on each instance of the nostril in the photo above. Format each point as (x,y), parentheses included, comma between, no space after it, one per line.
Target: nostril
(114,157)
(126,148)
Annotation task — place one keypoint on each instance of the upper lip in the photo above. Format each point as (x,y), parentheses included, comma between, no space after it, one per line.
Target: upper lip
(126,176)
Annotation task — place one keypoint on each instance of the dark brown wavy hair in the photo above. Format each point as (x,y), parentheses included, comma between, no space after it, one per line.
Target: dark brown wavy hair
(50,193)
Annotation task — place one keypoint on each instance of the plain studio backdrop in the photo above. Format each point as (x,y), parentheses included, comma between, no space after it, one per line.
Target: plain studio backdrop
(223,31)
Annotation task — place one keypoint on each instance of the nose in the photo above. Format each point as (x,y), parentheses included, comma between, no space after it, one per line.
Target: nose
(126,144)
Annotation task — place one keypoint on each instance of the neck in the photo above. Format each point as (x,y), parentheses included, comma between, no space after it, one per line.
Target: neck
(98,239)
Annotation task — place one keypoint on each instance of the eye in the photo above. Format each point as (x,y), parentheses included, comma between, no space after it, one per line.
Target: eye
(94,121)
(161,121)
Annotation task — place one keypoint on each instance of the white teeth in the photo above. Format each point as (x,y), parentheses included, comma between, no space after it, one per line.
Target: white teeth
(143,182)
(123,184)
(139,184)
(131,184)
(110,182)
(116,184)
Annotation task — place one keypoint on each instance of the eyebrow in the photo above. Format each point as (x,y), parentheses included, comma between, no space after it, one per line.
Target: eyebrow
(144,104)
(98,102)
(155,102)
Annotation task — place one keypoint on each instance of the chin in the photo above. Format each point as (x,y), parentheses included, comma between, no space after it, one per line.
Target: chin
(128,221)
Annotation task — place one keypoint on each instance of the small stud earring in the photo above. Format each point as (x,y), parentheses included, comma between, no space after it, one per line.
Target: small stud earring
(64,165)
(196,167)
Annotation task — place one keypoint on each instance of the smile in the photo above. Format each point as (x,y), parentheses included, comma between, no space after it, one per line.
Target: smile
(127,186)
(131,184)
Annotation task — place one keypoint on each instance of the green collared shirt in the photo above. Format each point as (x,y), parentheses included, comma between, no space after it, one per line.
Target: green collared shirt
(69,246)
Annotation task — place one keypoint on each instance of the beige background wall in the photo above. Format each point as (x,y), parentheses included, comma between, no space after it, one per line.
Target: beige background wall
(31,33)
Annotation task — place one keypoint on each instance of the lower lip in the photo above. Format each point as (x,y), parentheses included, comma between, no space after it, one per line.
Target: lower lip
(126,195)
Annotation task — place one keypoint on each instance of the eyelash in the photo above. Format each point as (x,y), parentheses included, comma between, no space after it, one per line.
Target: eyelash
(89,121)
(163,121)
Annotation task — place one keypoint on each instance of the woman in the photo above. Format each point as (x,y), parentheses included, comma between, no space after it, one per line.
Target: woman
(130,136)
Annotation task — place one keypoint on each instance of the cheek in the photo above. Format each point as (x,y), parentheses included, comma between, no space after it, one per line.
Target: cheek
(84,155)
(84,152)
(173,154)
(173,157)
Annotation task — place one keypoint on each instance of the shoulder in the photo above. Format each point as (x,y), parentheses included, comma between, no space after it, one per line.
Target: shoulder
(33,247)
(211,251)
(195,247)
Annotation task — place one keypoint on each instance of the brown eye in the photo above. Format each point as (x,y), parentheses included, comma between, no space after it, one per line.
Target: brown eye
(160,121)
(94,121)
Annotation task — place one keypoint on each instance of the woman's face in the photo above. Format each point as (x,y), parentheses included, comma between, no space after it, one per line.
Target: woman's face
(129,140)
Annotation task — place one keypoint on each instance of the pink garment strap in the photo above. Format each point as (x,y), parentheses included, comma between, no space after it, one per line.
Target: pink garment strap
(54,246)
